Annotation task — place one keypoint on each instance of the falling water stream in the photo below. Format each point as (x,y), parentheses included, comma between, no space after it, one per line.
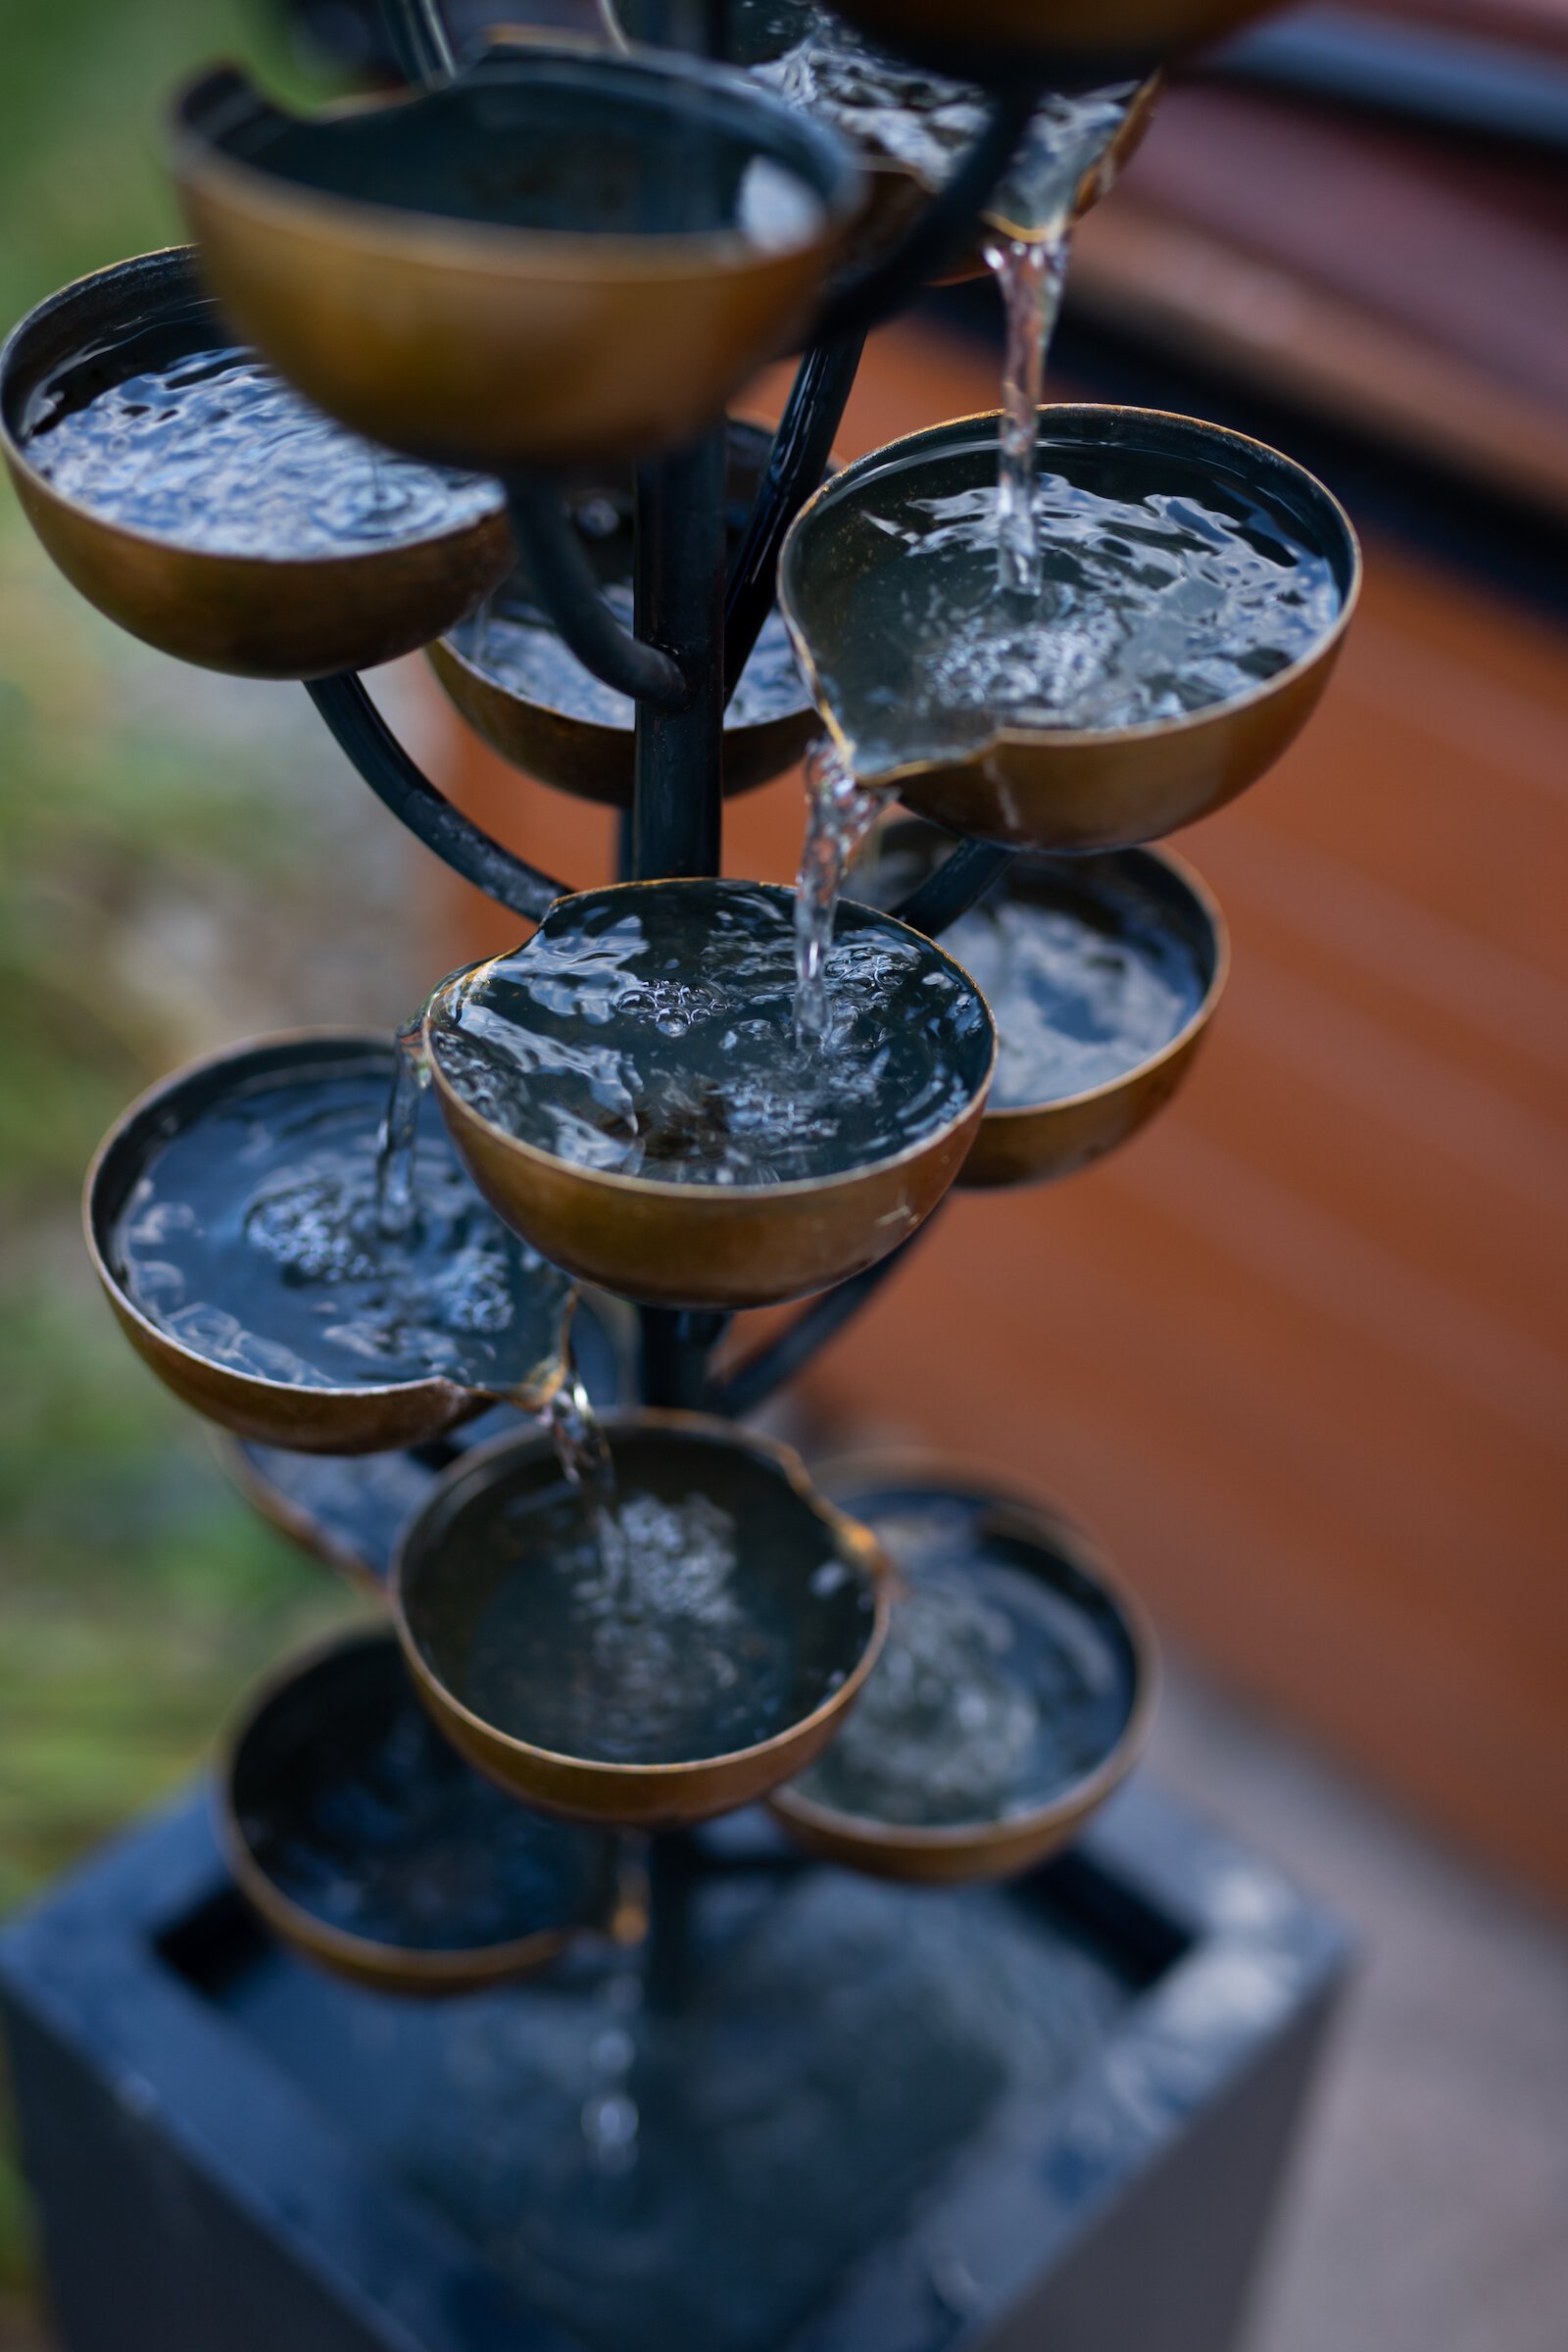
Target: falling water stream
(839,815)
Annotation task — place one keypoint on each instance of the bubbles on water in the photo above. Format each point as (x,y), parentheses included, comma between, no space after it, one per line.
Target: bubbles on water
(1082,985)
(1167,586)
(639,1652)
(254,1236)
(699,1078)
(925,121)
(996,1689)
(218,454)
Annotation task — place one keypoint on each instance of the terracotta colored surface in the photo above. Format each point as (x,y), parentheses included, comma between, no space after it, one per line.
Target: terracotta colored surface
(1298,1352)
(1385,274)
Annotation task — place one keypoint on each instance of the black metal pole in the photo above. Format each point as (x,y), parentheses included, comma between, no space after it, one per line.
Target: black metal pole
(797,462)
(958,883)
(753,1382)
(677,808)
(565,584)
(679,611)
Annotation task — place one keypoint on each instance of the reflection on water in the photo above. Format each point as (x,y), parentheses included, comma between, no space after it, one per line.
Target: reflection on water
(654,1035)
(256,1237)
(218,454)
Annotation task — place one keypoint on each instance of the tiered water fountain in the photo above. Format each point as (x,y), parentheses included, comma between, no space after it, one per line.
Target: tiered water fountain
(449,369)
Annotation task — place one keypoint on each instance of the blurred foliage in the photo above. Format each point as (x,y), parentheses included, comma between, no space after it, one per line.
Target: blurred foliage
(136,1592)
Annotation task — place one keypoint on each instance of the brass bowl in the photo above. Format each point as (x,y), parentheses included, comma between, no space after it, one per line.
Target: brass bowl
(898,194)
(1064,788)
(466,1545)
(908,1500)
(1035,1143)
(349,1510)
(705,1245)
(591,756)
(345,1714)
(367,1419)
(1082,44)
(255,616)
(525,267)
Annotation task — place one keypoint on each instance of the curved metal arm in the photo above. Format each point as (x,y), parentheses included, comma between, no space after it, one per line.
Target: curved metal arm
(420,41)
(364,734)
(753,1382)
(954,887)
(937,240)
(564,582)
(797,462)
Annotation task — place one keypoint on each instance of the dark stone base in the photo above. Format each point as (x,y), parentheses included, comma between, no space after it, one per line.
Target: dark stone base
(871,2119)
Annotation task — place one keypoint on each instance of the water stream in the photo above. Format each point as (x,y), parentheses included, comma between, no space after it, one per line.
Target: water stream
(925,122)
(839,815)
(400,1131)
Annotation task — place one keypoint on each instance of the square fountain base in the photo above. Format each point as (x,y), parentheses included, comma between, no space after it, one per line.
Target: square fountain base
(870,2119)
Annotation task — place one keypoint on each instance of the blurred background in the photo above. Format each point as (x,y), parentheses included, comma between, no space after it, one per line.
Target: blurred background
(1298,1357)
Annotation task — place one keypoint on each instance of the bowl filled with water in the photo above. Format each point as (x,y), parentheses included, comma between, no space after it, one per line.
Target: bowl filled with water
(349,1510)
(365,1841)
(562,255)
(1012,1695)
(205,506)
(910,129)
(646,1629)
(303,1275)
(518,687)
(1184,594)
(1103,973)
(631,1089)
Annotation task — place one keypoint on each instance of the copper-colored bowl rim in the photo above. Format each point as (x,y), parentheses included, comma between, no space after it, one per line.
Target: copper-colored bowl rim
(459,1967)
(436,1387)
(795,1189)
(1043,740)
(1197,1021)
(943,1474)
(361,562)
(439,241)
(848,1536)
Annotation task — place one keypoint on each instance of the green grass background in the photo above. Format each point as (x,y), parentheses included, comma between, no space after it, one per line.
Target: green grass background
(136,1593)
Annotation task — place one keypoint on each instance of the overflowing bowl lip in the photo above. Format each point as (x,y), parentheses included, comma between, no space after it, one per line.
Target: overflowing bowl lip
(851,1541)
(438,240)
(894,455)
(943,1474)
(353,1042)
(15,445)
(437,1965)
(1197,1021)
(793,1188)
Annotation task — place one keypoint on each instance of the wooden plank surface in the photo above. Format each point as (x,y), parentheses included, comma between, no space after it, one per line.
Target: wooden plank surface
(1298,1352)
